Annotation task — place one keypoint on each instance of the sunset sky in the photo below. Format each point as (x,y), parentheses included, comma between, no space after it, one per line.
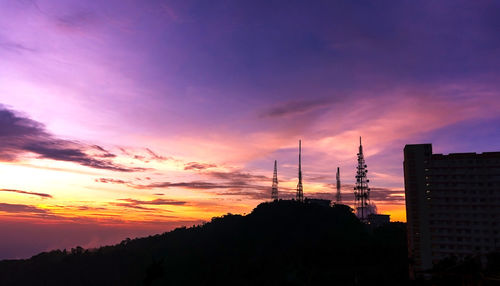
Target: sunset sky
(129,118)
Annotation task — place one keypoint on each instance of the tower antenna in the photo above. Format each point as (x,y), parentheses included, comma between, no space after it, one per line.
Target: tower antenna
(339,197)
(274,190)
(300,192)
(361,190)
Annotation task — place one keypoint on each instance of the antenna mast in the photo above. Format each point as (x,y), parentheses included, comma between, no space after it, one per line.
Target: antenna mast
(361,190)
(300,193)
(274,190)
(339,197)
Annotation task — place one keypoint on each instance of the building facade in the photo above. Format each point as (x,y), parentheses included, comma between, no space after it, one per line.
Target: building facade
(452,205)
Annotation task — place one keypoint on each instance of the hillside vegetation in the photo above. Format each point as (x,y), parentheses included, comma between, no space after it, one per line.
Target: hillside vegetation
(279,243)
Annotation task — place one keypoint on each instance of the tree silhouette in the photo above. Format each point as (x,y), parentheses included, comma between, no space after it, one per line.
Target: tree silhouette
(279,243)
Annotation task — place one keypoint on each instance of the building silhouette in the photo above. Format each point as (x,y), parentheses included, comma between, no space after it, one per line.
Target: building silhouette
(452,205)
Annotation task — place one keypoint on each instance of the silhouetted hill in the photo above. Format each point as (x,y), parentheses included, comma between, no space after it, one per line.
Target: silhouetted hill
(279,243)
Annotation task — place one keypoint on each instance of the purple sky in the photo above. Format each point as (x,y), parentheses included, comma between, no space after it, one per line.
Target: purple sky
(131,117)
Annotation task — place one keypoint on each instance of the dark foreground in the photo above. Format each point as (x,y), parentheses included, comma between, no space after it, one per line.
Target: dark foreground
(279,243)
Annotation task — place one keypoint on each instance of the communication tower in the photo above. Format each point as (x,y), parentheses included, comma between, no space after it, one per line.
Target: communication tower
(339,197)
(300,192)
(274,190)
(361,190)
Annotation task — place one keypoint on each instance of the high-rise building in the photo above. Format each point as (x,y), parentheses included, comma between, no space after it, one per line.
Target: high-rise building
(452,205)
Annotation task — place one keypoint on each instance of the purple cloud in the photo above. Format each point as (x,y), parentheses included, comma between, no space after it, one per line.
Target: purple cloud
(296,107)
(110,180)
(236,176)
(155,202)
(198,166)
(75,20)
(17,208)
(141,204)
(21,135)
(199,185)
(156,156)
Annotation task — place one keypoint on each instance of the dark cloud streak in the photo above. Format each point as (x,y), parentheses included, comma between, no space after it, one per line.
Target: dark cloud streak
(140,204)
(155,202)
(201,185)
(297,107)
(43,195)
(110,180)
(198,166)
(156,156)
(20,135)
(237,176)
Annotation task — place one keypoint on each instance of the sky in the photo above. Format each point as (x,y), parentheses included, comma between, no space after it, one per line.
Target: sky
(130,118)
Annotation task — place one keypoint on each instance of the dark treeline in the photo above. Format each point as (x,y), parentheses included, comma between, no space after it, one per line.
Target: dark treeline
(279,243)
